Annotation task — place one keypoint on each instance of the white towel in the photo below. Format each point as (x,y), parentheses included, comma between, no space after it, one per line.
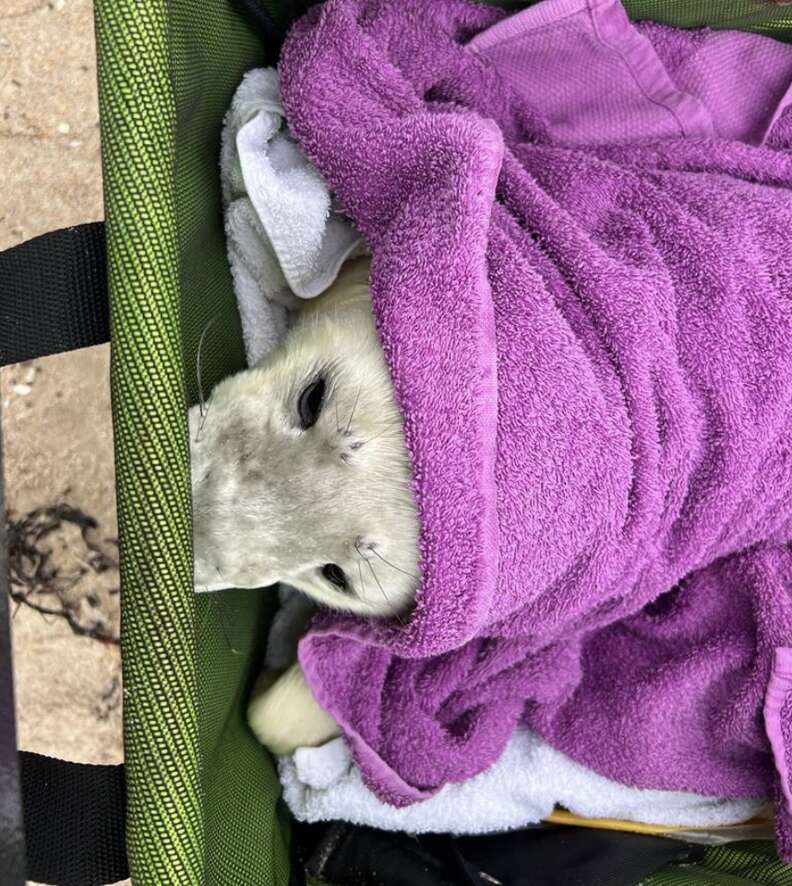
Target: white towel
(521,788)
(285,238)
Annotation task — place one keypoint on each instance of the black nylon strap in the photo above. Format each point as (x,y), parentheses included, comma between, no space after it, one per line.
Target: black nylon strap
(75,821)
(61,823)
(53,294)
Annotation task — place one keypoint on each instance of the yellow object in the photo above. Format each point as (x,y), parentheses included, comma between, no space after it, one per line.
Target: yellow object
(563,816)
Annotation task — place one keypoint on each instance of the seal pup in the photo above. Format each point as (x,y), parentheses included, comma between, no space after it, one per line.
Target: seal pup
(301,475)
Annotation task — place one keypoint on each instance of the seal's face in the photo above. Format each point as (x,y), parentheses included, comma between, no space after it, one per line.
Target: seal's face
(300,472)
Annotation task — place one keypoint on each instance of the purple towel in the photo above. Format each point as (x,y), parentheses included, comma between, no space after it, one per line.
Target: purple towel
(592,349)
(606,81)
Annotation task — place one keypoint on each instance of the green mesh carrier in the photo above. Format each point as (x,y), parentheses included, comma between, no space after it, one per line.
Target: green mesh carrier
(203,795)
(735,864)
(763,16)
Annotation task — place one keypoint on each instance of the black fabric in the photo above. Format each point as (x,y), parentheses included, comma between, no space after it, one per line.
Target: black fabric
(357,856)
(296,862)
(547,855)
(272,32)
(272,19)
(75,821)
(12,838)
(53,294)
(559,855)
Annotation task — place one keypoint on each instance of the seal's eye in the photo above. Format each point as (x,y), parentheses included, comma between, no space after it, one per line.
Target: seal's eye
(336,576)
(309,405)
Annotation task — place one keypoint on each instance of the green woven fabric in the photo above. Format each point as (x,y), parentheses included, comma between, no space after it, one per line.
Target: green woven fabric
(749,863)
(202,792)
(747,15)
(203,795)
(165,824)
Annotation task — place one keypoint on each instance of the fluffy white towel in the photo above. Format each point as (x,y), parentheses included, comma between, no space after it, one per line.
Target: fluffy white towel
(285,238)
(522,787)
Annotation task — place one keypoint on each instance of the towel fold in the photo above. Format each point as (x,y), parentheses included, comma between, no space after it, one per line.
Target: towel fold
(285,239)
(595,78)
(522,787)
(591,348)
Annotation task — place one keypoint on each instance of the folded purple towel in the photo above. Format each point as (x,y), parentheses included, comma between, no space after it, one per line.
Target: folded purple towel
(595,78)
(592,349)
(778,721)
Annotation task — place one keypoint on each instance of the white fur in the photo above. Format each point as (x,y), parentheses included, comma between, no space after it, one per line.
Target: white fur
(273,502)
(284,715)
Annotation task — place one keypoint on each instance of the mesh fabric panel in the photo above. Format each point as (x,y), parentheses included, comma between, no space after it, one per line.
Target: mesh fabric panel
(745,15)
(734,864)
(202,792)
(211,47)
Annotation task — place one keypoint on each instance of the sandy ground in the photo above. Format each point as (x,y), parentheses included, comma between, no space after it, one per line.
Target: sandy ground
(58,449)
(56,412)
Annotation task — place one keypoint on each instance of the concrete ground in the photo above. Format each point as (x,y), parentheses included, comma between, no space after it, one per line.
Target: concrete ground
(56,412)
